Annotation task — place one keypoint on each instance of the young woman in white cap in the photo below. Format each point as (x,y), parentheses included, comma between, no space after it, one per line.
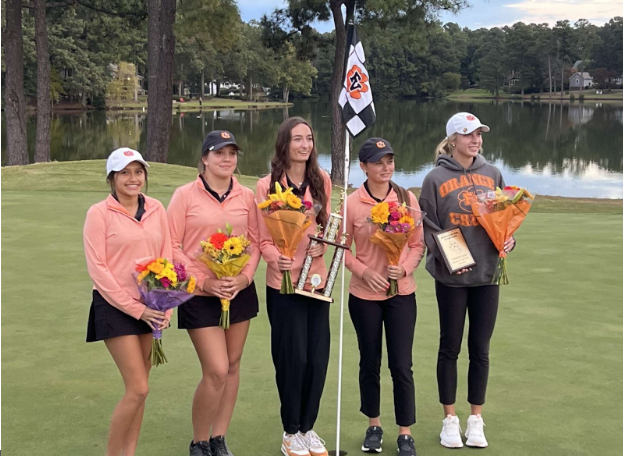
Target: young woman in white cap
(198,210)
(461,171)
(370,308)
(126,229)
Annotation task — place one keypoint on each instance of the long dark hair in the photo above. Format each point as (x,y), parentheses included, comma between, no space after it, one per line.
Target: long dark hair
(403,194)
(280,163)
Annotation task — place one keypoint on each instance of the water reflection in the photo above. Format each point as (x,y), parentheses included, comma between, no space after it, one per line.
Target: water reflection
(567,150)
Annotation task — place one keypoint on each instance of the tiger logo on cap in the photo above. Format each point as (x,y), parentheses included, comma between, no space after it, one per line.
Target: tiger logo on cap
(128,153)
(470,118)
(380,144)
(225,135)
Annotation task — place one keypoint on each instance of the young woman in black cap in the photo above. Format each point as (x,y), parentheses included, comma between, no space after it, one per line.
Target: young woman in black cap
(370,308)
(126,229)
(461,171)
(300,336)
(197,210)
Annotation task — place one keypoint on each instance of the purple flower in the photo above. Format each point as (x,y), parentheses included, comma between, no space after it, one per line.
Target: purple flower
(406,227)
(390,229)
(180,270)
(166,283)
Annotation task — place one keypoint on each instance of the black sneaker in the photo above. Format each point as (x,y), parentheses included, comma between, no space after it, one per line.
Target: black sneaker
(200,448)
(219,446)
(373,440)
(406,446)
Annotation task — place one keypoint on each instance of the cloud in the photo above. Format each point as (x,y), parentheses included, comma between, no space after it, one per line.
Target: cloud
(597,12)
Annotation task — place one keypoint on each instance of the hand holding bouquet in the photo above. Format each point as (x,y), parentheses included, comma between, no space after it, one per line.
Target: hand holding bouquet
(285,215)
(501,213)
(163,285)
(225,255)
(394,225)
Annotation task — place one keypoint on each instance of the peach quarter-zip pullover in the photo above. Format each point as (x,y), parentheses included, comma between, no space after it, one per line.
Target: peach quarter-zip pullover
(271,254)
(195,215)
(115,242)
(368,255)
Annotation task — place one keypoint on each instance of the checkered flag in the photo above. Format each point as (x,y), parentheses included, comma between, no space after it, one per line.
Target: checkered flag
(356,97)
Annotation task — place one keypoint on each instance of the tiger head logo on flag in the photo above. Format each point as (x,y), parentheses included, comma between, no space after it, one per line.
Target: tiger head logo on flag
(356,82)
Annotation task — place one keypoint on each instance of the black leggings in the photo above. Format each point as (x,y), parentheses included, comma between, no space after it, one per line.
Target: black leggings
(300,340)
(398,314)
(481,303)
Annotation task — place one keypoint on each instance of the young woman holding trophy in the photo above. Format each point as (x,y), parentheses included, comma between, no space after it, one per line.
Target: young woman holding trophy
(300,333)
(374,302)
(197,211)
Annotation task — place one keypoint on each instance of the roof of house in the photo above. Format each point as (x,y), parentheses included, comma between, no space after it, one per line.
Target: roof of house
(584,74)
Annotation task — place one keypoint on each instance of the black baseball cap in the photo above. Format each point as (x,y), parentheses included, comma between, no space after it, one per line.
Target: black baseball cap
(374,149)
(217,139)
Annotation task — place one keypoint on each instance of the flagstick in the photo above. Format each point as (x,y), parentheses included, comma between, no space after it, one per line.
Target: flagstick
(339,369)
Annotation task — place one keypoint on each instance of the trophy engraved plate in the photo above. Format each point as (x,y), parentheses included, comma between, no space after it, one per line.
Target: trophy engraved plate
(328,238)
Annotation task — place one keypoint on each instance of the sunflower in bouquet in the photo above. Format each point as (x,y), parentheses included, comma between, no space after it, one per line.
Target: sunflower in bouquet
(286,217)
(394,224)
(225,255)
(163,285)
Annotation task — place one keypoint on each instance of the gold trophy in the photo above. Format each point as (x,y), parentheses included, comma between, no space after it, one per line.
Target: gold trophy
(328,237)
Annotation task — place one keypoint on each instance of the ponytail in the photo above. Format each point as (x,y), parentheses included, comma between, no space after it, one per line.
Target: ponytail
(403,195)
(445,146)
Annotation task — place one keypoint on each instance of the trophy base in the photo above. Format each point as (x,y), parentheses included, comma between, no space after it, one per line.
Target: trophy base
(313,295)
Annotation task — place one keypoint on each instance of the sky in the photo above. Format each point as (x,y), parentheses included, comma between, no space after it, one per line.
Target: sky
(488,13)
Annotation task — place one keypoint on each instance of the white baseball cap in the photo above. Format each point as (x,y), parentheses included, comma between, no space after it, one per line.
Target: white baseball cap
(464,123)
(122,157)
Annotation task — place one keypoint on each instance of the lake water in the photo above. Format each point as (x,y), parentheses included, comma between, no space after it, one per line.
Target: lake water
(563,150)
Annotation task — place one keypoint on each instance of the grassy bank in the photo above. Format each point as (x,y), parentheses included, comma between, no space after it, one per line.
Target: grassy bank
(193,105)
(555,356)
(589,95)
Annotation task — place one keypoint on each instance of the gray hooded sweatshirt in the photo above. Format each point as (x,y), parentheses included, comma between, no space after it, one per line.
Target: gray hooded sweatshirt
(446,200)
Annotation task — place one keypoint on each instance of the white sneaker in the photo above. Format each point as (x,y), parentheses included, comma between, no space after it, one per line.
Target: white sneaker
(475,433)
(294,445)
(451,432)
(315,444)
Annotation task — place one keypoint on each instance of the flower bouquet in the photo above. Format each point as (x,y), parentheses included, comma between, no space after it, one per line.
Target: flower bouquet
(286,217)
(163,285)
(225,255)
(394,225)
(500,213)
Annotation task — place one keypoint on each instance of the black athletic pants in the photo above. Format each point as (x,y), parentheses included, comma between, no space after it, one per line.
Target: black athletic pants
(398,314)
(481,304)
(300,339)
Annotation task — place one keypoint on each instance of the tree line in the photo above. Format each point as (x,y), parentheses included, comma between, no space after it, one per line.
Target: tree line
(65,50)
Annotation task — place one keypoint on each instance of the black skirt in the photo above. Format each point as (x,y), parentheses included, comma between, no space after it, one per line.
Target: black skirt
(205,311)
(106,321)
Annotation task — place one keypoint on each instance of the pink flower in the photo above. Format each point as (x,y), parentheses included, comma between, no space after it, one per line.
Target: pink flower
(180,270)
(394,215)
(394,223)
(406,227)
(165,282)
(308,205)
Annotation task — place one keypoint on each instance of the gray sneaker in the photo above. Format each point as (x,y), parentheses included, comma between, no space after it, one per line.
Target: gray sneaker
(406,445)
(373,440)
(219,446)
(200,448)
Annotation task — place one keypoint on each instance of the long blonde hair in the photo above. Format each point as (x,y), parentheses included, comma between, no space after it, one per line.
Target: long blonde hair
(446,146)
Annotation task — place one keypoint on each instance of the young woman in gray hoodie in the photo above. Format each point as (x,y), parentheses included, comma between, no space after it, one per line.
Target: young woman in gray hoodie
(461,172)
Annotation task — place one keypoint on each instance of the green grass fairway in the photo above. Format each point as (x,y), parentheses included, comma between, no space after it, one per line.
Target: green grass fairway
(556,355)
